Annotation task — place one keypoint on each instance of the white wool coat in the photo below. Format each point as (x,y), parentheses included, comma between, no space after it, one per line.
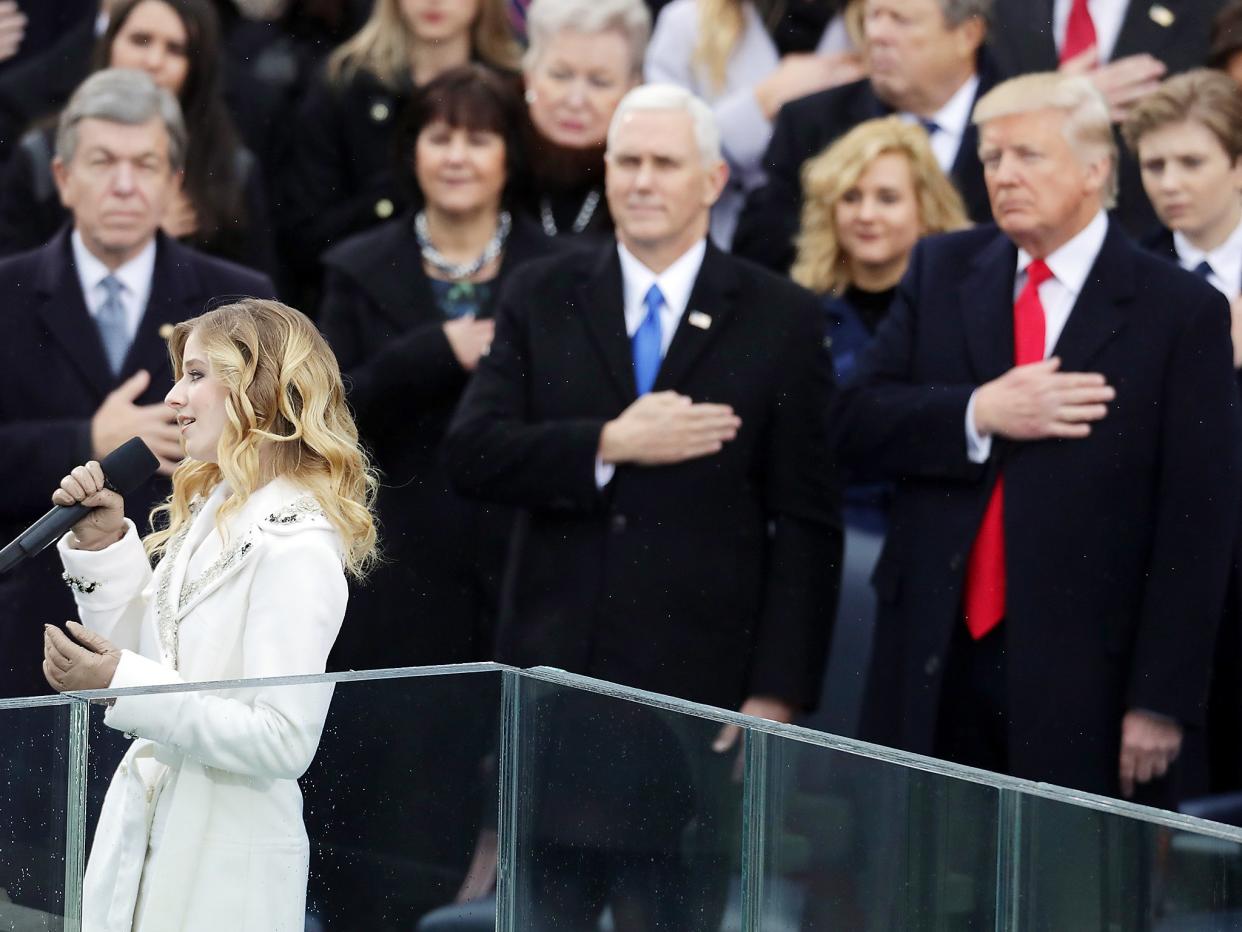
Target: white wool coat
(215,771)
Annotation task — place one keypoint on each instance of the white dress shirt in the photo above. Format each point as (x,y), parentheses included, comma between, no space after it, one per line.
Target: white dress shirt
(675,283)
(135,278)
(1225,260)
(1070,265)
(951,121)
(1106,15)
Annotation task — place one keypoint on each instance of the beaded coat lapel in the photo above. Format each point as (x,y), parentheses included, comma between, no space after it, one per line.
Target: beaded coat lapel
(170,607)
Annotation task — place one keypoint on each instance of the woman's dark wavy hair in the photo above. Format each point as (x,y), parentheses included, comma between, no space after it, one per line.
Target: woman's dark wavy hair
(212,176)
(472,97)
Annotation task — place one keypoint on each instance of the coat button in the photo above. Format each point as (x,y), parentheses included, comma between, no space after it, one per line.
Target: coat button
(932,665)
(828,343)
(379,112)
(618,524)
(955,562)
(383,208)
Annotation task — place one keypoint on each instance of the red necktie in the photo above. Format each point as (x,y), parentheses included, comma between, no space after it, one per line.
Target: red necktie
(984,602)
(1079,31)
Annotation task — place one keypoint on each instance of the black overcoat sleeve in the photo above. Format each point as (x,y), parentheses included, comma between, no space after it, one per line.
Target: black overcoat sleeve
(1196,519)
(497,447)
(889,423)
(416,367)
(803,498)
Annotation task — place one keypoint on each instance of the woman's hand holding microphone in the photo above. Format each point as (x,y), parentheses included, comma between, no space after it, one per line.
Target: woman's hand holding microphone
(83,659)
(104,525)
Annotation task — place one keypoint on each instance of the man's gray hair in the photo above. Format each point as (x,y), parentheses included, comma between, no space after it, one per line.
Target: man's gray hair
(122,95)
(547,18)
(672,97)
(957,12)
(1088,126)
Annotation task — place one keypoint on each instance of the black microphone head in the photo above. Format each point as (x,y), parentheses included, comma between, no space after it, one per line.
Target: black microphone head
(129,465)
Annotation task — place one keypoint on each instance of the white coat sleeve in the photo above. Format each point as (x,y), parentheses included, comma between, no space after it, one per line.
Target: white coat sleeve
(297,603)
(109,585)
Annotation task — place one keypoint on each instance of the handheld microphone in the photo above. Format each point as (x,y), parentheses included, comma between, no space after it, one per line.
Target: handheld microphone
(124,469)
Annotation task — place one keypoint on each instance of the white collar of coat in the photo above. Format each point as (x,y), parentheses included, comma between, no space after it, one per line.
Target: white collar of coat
(280,507)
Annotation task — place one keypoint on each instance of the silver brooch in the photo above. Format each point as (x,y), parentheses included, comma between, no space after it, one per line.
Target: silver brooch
(304,507)
(77,584)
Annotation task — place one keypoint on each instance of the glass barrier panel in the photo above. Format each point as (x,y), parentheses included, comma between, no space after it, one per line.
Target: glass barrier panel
(623,816)
(852,842)
(337,803)
(34,787)
(1080,868)
(614,788)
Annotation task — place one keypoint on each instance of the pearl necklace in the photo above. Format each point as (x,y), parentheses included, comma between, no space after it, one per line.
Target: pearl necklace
(585,213)
(457,271)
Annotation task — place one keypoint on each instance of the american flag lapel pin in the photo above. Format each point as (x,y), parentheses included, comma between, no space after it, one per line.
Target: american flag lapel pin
(699,319)
(1161,15)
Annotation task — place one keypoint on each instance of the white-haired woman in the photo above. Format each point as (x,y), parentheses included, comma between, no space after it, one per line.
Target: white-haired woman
(584,56)
(747,58)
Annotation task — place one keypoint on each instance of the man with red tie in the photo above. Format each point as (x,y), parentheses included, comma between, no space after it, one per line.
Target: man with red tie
(1060,414)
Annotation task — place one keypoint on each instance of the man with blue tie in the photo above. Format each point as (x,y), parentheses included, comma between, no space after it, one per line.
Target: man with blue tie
(657,411)
(83,359)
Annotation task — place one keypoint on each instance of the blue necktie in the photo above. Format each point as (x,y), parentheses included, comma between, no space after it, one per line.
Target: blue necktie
(645,344)
(110,319)
(1203,270)
(930,126)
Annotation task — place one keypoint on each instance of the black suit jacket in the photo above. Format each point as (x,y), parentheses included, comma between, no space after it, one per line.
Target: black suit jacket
(1021,41)
(804,128)
(435,596)
(713,579)
(53,377)
(1118,545)
(1214,759)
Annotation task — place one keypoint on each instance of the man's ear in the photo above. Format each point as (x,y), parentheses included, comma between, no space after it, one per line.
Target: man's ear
(1099,171)
(717,178)
(972,32)
(60,174)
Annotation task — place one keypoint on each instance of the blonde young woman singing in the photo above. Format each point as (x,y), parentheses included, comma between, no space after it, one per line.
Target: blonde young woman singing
(202,825)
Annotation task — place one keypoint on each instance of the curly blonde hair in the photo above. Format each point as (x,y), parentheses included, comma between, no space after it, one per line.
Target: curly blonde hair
(382,45)
(821,264)
(285,416)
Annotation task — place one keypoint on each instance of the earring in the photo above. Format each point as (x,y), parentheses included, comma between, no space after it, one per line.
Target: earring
(530,95)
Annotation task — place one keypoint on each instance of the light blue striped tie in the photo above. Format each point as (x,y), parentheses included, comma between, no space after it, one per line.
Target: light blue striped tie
(645,344)
(110,319)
